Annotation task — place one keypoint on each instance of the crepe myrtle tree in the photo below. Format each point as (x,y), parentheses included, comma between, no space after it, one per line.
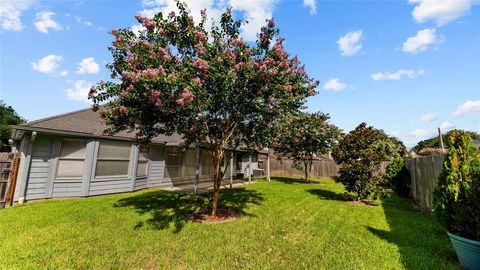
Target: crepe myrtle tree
(208,85)
(360,154)
(302,136)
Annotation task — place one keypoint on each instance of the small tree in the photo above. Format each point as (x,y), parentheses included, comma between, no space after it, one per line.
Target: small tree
(360,154)
(8,116)
(456,197)
(302,136)
(205,84)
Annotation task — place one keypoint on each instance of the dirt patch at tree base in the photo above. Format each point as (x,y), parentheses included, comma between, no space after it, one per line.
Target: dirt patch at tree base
(223,215)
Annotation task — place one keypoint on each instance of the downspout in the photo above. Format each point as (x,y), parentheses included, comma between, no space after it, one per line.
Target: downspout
(28,163)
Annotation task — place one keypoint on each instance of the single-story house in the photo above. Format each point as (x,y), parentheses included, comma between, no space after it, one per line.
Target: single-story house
(68,156)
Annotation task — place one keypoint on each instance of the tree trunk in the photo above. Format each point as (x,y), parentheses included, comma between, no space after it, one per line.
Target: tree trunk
(217,157)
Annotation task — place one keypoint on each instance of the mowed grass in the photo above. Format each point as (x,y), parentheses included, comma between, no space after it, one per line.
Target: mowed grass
(285,224)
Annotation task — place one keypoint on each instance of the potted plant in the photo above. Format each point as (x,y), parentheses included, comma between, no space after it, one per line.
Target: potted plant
(457,199)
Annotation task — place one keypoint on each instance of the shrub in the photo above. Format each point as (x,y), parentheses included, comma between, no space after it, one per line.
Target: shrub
(399,177)
(360,154)
(457,194)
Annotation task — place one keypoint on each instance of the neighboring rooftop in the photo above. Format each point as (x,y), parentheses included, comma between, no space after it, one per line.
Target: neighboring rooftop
(84,123)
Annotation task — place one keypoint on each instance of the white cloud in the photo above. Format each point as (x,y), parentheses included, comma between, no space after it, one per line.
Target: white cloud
(88,65)
(253,11)
(79,91)
(11,12)
(63,73)
(428,117)
(469,106)
(44,22)
(136,28)
(440,11)
(421,41)
(421,133)
(80,20)
(312,5)
(350,43)
(446,126)
(47,64)
(379,76)
(335,84)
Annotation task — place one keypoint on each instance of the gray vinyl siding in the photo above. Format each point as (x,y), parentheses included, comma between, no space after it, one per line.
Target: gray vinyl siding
(141,183)
(108,186)
(45,150)
(38,175)
(67,188)
(156,167)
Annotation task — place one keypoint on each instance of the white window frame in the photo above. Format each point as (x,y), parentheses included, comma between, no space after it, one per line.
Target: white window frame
(116,176)
(146,161)
(60,158)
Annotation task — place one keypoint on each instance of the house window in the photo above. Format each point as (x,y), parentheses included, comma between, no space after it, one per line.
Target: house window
(206,162)
(190,167)
(113,159)
(173,162)
(142,164)
(71,159)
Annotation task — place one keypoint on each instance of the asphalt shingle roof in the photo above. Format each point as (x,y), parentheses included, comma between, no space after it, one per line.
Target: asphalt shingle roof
(85,122)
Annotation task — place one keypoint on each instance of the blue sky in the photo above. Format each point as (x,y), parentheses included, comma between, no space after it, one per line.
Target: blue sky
(407,67)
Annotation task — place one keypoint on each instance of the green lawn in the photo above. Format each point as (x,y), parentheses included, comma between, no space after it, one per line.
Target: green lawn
(285,225)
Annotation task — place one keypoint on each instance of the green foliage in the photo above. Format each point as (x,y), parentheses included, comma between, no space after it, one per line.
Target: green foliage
(8,116)
(435,142)
(398,176)
(360,154)
(208,85)
(457,194)
(302,136)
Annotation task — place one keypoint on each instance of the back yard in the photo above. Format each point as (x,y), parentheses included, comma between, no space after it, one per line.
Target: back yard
(285,224)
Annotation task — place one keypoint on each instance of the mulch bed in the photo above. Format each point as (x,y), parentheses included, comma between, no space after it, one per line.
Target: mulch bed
(223,215)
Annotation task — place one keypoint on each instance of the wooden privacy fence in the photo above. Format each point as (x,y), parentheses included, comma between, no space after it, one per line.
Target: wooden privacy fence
(8,175)
(424,172)
(320,168)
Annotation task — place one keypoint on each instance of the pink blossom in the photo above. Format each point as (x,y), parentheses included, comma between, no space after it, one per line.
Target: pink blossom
(164,54)
(146,22)
(128,75)
(200,36)
(196,81)
(187,96)
(115,32)
(239,65)
(193,129)
(200,50)
(130,88)
(171,14)
(200,65)
(155,98)
(272,100)
(229,54)
(278,48)
(122,109)
(92,91)
(130,59)
(260,65)
(238,42)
